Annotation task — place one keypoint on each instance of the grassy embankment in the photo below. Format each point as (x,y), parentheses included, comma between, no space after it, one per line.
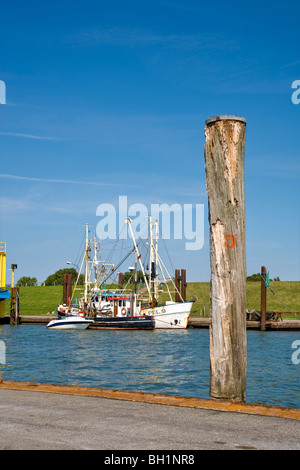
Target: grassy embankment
(287,291)
(41,300)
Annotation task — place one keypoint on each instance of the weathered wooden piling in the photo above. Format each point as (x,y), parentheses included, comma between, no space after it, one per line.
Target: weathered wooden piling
(224,171)
(15,306)
(65,289)
(180,285)
(183,284)
(69,289)
(177,285)
(263,299)
(121,280)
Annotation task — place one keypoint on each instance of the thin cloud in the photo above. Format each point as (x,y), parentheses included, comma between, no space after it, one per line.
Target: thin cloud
(290,64)
(27,136)
(139,37)
(60,181)
(10,206)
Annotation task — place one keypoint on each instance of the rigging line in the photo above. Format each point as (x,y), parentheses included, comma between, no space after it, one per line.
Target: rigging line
(118,265)
(160,261)
(75,286)
(105,243)
(116,245)
(143,233)
(176,290)
(146,255)
(115,249)
(267,284)
(282,302)
(79,254)
(122,245)
(8,311)
(163,274)
(160,232)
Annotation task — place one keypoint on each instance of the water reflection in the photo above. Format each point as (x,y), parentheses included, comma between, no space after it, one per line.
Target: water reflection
(171,362)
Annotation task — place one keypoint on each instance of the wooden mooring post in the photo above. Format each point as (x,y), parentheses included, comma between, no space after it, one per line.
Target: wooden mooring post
(180,285)
(120,280)
(67,289)
(183,284)
(15,306)
(224,172)
(263,299)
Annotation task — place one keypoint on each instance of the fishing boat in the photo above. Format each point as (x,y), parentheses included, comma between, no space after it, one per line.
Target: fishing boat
(70,322)
(113,311)
(136,322)
(121,309)
(107,309)
(171,314)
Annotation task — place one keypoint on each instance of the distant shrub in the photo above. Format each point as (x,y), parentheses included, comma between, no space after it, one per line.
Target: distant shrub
(57,279)
(27,281)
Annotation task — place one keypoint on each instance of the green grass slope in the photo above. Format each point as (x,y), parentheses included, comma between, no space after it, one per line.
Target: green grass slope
(41,300)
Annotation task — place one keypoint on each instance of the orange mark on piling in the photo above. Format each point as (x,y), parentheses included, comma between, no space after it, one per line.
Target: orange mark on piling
(232,238)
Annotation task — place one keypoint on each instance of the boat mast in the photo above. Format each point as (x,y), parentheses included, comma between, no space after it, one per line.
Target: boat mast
(86,274)
(133,294)
(153,265)
(95,262)
(156,260)
(128,221)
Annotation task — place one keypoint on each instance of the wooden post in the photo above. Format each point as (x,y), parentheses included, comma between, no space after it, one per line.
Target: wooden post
(263,299)
(65,289)
(69,279)
(121,280)
(183,284)
(224,172)
(15,306)
(12,306)
(177,285)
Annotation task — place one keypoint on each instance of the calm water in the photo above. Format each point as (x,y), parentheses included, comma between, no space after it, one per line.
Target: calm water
(170,362)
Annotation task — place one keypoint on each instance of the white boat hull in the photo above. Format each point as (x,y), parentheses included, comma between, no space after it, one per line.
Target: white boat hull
(70,323)
(173,315)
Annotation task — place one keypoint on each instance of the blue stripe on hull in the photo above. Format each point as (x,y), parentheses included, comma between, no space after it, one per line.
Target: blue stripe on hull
(61,323)
(134,323)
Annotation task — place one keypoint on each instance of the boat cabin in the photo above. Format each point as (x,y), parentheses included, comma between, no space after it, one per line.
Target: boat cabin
(115,304)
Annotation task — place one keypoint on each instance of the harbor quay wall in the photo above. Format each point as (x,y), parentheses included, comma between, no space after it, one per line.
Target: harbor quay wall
(193,322)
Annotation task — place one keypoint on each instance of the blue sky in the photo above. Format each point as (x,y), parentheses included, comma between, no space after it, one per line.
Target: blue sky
(105,99)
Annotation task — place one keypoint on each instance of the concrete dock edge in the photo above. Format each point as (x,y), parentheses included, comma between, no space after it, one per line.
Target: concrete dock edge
(159,399)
